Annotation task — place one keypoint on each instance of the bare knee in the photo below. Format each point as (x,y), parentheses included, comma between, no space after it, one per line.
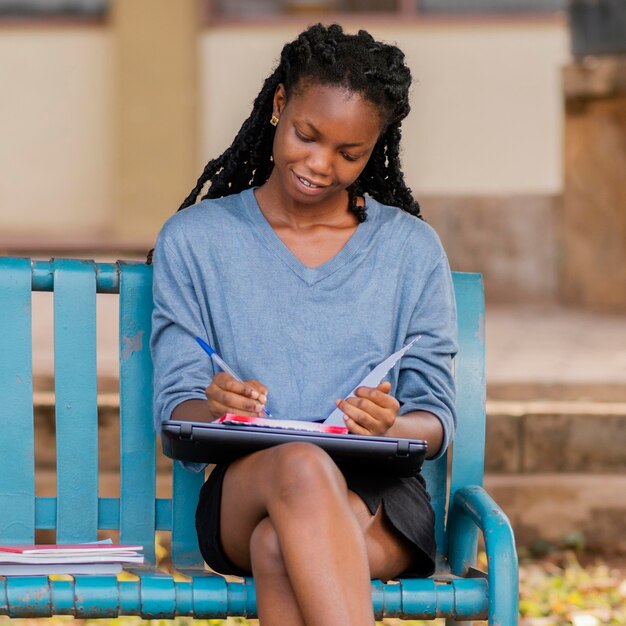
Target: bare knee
(305,471)
(265,553)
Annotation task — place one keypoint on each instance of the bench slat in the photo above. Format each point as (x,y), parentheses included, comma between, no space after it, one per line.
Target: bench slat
(468,450)
(76,410)
(101,591)
(17,479)
(108,513)
(186,486)
(434,473)
(469,446)
(137,437)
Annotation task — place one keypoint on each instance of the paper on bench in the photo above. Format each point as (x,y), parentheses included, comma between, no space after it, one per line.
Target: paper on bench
(373,379)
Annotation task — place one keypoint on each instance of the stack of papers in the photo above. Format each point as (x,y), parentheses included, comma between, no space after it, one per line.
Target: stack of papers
(83,558)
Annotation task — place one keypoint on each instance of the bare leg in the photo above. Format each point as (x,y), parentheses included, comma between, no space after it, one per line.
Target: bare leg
(276,601)
(321,543)
(388,556)
(388,553)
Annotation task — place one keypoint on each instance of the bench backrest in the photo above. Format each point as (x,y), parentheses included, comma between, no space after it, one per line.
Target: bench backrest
(77,512)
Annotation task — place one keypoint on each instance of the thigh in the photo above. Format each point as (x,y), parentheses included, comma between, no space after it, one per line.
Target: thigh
(389,553)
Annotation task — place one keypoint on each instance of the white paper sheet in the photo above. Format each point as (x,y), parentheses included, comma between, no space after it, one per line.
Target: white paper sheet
(373,379)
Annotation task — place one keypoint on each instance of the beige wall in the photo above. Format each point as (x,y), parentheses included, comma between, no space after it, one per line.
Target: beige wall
(487,118)
(487,104)
(55,130)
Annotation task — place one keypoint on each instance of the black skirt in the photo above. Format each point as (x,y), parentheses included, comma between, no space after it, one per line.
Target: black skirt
(405,503)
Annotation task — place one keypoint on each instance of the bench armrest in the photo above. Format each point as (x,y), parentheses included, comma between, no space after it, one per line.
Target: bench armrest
(473,507)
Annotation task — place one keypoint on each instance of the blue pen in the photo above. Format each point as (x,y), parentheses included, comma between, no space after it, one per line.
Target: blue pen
(223,365)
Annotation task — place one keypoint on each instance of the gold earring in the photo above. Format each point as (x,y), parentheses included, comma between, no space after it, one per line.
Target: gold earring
(274,120)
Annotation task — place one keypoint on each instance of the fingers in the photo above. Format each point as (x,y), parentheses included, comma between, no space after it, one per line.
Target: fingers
(225,394)
(372,412)
(255,390)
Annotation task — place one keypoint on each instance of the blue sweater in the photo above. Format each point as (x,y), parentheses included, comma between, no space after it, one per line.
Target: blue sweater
(308,334)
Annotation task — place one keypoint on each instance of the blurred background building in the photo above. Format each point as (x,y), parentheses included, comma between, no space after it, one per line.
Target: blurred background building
(515,147)
(109,110)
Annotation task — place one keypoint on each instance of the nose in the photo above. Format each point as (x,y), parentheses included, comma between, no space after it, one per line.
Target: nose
(320,161)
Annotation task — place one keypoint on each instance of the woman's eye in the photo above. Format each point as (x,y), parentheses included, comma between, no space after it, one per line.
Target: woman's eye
(302,137)
(349,157)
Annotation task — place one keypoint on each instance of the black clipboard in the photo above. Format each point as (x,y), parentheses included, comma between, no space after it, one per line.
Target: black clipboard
(205,442)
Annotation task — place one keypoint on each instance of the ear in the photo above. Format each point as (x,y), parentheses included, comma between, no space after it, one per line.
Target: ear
(280,100)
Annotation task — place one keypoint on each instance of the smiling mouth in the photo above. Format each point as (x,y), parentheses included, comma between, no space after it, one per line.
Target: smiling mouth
(307,183)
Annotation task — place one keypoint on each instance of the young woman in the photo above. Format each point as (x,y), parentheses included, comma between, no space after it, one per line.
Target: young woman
(305,264)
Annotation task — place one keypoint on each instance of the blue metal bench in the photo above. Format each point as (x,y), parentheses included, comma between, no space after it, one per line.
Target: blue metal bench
(457,591)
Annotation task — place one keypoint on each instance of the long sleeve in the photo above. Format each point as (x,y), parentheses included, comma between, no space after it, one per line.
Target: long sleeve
(182,370)
(426,380)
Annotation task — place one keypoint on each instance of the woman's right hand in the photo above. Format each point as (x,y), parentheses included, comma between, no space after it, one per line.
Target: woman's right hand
(225,394)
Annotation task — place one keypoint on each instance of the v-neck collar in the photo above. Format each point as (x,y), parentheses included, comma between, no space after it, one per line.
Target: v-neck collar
(309,275)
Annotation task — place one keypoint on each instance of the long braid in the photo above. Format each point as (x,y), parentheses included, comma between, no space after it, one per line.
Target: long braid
(382,177)
(327,56)
(235,169)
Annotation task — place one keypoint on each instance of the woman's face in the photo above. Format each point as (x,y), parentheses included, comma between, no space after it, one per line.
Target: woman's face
(323,140)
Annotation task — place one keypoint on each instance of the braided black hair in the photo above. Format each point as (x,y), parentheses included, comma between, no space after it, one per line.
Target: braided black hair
(327,56)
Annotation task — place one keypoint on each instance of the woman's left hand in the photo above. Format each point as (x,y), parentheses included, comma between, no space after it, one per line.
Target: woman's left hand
(372,412)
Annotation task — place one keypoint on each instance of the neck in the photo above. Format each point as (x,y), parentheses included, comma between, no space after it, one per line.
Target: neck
(280,209)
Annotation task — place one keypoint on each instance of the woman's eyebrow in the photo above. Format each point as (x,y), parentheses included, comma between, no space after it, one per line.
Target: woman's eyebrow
(315,131)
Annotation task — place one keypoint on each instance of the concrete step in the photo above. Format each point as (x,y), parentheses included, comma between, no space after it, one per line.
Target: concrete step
(549,507)
(550,436)
(557,391)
